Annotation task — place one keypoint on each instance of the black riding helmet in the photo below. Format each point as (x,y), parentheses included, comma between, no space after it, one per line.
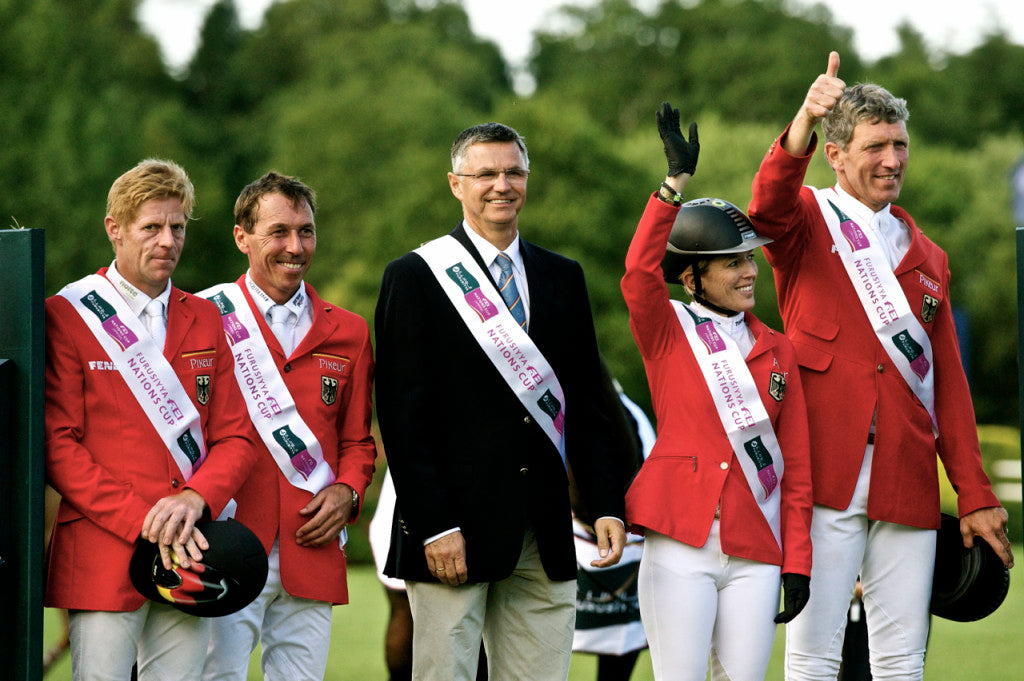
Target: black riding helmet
(230,576)
(705,228)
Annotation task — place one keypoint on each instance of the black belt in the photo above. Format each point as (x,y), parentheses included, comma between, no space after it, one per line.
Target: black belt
(871,438)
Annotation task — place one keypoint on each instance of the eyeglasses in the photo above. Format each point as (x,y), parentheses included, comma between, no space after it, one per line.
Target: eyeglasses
(513,175)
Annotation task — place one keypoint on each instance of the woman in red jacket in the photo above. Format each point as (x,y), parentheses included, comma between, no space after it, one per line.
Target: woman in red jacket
(724,499)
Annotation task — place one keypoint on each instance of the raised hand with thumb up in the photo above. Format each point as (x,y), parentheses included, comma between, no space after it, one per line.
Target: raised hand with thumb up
(825,91)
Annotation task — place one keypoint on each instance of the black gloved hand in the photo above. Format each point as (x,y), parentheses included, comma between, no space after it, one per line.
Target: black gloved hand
(681,155)
(797,590)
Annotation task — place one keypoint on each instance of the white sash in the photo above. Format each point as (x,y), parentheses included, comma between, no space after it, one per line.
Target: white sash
(884,301)
(271,407)
(740,409)
(142,365)
(511,351)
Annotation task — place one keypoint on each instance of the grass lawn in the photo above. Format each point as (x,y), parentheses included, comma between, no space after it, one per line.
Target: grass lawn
(988,650)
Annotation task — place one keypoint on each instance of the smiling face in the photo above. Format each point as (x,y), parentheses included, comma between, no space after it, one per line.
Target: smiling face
(491,205)
(146,250)
(872,167)
(728,281)
(280,246)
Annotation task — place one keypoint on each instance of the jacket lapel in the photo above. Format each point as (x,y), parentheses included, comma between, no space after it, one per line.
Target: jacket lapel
(539,284)
(180,318)
(323,323)
(533,263)
(460,235)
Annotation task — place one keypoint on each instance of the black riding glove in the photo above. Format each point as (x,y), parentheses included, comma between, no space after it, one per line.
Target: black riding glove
(681,155)
(797,590)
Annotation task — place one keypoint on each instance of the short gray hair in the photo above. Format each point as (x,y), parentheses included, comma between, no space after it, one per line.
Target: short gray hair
(484,133)
(862,102)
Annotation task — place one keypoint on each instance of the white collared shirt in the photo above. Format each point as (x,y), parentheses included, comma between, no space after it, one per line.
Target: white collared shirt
(298,303)
(894,235)
(734,327)
(136,299)
(488,252)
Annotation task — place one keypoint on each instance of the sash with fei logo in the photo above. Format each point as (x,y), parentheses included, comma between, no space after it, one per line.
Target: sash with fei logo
(904,339)
(740,409)
(512,352)
(142,365)
(291,442)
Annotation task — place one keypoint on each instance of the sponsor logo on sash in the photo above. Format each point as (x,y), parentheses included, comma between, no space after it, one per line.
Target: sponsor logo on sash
(233,328)
(109,320)
(854,235)
(553,408)
(203,389)
(296,450)
(913,351)
(190,447)
(777,386)
(471,290)
(328,389)
(762,459)
(929,304)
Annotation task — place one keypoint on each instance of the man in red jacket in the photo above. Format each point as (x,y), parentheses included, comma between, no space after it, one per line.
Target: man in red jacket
(305,368)
(864,295)
(145,434)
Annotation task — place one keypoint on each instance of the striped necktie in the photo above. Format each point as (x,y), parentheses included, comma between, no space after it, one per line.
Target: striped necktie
(509,290)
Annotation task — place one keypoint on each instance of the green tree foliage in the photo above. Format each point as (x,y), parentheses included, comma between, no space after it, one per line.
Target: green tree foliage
(83,93)
(362,98)
(736,58)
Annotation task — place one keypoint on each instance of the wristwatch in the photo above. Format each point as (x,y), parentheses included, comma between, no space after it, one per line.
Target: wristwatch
(355,501)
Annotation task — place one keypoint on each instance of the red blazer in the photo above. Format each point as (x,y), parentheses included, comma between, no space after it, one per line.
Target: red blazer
(846,372)
(692,468)
(336,347)
(106,459)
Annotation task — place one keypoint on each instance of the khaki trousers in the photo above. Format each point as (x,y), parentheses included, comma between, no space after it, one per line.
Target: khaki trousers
(526,622)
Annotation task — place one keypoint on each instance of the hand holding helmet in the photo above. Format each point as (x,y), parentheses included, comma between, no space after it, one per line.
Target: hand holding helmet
(230,575)
(681,153)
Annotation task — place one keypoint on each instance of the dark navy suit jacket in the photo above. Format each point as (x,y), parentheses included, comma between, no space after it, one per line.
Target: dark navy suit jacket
(463,450)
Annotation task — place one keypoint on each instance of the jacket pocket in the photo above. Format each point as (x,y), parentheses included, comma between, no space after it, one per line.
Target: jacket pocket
(815,334)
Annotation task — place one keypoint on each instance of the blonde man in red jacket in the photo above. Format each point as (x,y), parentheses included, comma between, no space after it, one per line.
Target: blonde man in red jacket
(145,434)
(305,368)
(865,298)
(724,499)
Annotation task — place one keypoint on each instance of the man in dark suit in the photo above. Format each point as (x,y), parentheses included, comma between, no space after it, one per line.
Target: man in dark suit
(486,357)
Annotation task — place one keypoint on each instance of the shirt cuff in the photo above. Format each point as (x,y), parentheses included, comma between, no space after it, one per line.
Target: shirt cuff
(428,540)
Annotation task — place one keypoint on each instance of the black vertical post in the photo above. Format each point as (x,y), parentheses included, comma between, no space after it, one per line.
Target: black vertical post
(1020,344)
(21,453)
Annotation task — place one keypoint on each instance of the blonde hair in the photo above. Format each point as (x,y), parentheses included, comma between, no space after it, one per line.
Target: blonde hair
(150,179)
